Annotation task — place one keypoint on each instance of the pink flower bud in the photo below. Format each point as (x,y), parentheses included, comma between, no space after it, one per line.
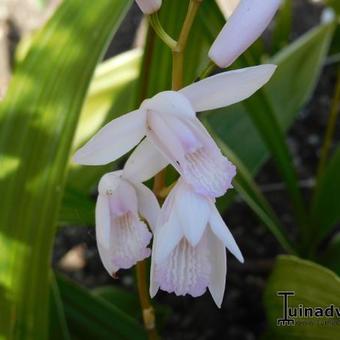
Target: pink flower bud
(245,25)
(149,6)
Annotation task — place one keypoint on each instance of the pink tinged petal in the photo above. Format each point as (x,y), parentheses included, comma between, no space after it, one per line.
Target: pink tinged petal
(220,229)
(113,140)
(148,205)
(218,262)
(193,212)
(205,168)
(186,270)
(103,221)
(144,163)
(130,238)
(123,200)
(149,6)
(227,88)
(169,103)
(245,25)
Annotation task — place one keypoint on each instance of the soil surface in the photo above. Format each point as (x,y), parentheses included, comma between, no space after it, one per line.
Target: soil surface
(242,315)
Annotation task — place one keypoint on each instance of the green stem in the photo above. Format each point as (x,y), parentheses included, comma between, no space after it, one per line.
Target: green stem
(178,51)
(158,28)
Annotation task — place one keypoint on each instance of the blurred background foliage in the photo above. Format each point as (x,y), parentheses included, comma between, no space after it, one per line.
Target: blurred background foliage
(61,92)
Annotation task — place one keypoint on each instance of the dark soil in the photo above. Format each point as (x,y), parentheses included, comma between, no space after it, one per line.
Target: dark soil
(242,315)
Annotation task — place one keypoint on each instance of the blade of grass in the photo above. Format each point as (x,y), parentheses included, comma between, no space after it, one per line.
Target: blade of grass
(37,121)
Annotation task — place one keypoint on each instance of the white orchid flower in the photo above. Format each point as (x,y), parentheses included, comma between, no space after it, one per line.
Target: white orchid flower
(245,25)
(149,6)
(188,254)
(172,130)
(122,237)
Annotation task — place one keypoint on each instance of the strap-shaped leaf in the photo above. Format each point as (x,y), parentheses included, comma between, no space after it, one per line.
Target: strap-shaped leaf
(92,317)
(37,123)
(325,210)
(315,287)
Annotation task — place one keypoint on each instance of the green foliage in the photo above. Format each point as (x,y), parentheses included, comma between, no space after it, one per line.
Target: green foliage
(325,210)
(38,121)
(314,286)
(91,317)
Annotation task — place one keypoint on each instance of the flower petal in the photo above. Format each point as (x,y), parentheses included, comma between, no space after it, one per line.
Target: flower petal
(148,205)
(169,103)
(193,212)
(149,6)
(218,262)
(103,221)
(227,88)
(223,233)
(113,140)
(168,236)
(154,286)
(144,163)
(245,25)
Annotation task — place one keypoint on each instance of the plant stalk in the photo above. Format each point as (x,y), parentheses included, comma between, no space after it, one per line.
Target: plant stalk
(159,181)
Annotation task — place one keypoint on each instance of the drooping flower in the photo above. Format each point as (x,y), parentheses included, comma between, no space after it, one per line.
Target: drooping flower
(149,6)
(246,24)
(173,131)
(188,254)
(122,235)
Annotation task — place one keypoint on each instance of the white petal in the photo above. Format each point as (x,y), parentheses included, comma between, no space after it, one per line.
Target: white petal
(109,182)
(245,25)
(154,287)
(218,262)
(148,205)
(169,103)
(193,212)
(227,88)
(103,221)
(123,199)
(149,6)
(168,236)
(223,233)
(113,140)
(144,163)
(164,140)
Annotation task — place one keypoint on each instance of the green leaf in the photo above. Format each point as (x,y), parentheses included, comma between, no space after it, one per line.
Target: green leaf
(76,209)
(129,303)
(58,326)
(283,26)
(37,124)
(314,286)
(331,256)
(325,210)
(249,191)
(91,317)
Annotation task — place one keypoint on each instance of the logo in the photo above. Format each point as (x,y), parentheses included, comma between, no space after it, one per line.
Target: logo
(290,315)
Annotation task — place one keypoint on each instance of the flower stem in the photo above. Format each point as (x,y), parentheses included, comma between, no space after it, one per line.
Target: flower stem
(330,130)
(158,28)
(147,308)
(178,51)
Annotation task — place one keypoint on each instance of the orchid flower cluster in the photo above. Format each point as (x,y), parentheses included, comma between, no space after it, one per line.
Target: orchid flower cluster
(189,235)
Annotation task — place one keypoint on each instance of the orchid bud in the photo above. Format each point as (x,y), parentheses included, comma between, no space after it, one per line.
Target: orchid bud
(149,6)
(245,25)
